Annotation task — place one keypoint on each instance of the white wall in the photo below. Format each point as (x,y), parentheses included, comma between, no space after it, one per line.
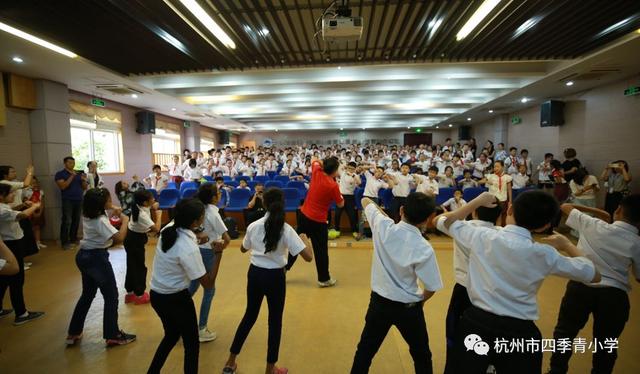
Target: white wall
(395,136)
(601,124)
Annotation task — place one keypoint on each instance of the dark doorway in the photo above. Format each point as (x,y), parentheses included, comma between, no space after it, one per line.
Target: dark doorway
(417,139)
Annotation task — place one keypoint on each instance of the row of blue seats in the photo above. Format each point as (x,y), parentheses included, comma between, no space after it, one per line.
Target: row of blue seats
(237,199)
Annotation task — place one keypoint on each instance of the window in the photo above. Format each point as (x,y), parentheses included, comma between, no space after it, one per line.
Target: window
(165,143)
(206,145)
(96,139)
(207,139)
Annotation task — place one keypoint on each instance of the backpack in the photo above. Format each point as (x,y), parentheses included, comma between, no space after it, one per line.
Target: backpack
(232,227)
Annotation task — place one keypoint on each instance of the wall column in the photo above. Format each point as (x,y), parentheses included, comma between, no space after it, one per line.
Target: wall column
(50,143)
(192,137)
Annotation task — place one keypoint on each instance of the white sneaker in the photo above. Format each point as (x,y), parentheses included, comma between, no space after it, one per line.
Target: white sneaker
(26,267)
(41,245)
(206,336)
(330,283)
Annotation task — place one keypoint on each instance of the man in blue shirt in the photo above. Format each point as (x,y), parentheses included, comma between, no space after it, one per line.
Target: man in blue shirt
(72,185)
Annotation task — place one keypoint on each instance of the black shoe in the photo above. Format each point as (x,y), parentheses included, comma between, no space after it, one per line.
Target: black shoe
(122,339)
(28,318)
(5,312)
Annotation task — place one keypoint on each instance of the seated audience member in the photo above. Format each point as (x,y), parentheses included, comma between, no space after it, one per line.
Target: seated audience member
(467,181)
(157,180)
(455,202)
(521,179)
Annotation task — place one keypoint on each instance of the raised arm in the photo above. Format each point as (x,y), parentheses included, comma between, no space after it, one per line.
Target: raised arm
(63,184)
(484,199)
(563,244)
(567,208)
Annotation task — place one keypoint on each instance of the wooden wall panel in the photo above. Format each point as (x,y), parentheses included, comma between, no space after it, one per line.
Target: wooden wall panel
(21,92)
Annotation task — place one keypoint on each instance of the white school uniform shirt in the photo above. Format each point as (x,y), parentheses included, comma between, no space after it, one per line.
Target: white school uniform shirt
(403,187)
(213,225)
(261,170)
(498,186)
(271,165)
(428,186)
(9,226)
(468,157)
(461,252)
(290,243)
(373,185)
(97,233)
(144,222)
(464,183)
(193,173)
(511,164)
(158,183)
(446,182)
(527,162)
(452,204)
(501,155)
(401,257)
(286,170)
(246,170)
(347,183)
(479,168)
(519,180)
(175,170)
(506,268)
(544,170)
(588,181)
(613,248)
(441,165)
(174,269)
(458,169)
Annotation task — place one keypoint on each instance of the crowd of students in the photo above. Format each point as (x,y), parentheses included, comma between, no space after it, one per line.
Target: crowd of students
(498,267)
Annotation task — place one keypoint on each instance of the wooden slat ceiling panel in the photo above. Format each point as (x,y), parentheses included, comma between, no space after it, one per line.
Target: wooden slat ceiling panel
(284,33)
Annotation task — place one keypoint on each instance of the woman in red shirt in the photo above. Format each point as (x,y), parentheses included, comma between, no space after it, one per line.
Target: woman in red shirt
(312,220)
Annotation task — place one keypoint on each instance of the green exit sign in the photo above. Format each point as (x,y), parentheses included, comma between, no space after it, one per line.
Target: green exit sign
(343,134)
(418,130)
(97,102)
(516,120)
(633,90)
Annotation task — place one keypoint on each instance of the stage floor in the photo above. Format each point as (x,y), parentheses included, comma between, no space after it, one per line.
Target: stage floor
(321,327)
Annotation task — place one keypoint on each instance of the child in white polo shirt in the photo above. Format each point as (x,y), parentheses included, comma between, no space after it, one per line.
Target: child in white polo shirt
(506,270)
(401,258)
(614,249)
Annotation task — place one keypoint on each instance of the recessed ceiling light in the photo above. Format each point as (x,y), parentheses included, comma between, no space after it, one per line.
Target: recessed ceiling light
(450,125)
(173,109)
(339,67)
(36,40)
(134,96)
(437,127)
(524,100)
(17,59)
(485,8)
(341,129)
(569,83)
(490,110)
(364,128)
(468,118)
(408,127)
(208,22)
(276,130)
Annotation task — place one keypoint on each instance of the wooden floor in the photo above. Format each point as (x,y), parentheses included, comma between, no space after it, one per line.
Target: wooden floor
(320,333)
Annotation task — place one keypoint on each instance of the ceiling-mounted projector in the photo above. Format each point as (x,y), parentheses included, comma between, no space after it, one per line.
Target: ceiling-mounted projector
(341,29)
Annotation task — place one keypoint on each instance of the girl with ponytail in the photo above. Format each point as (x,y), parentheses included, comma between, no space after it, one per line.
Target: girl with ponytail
(145,218)
(177,262)
(270,241)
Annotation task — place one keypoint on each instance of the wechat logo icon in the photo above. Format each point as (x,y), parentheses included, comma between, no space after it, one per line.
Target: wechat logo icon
(474,343)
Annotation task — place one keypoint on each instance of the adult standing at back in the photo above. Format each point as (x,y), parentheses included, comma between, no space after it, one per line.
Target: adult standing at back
(571,164)
(312,221)
(72,184)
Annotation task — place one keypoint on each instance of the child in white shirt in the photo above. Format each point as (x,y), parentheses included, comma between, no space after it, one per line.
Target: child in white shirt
(521,180)
(455,202)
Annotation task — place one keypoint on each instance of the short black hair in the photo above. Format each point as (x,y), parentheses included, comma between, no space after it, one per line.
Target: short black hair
(489,214)
(631,208)
(207,192)
(4,171)
(156,167)
(193,163)
(67,159)
(418,207)
(406,164)
(5,189)
(534,209)
(499,162)
(218,179)
(547,155)
(434,168)
(524,150)
(513,149)
(352,164)
(94,201)
(330,165)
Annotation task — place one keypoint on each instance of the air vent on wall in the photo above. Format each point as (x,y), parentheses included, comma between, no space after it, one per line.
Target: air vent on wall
(595,73)
(118,89)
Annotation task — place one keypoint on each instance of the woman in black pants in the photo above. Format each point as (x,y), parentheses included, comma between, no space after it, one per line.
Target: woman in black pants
(177,262)
(270,240)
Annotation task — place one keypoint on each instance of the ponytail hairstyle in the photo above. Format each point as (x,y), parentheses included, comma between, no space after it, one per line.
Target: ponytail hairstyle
(207,193)
(187,211)
(139,197)
(273,200)
(94,202)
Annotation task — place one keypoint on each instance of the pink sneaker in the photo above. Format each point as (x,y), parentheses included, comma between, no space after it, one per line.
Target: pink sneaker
(277,370)
(129,298)
(144,299)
